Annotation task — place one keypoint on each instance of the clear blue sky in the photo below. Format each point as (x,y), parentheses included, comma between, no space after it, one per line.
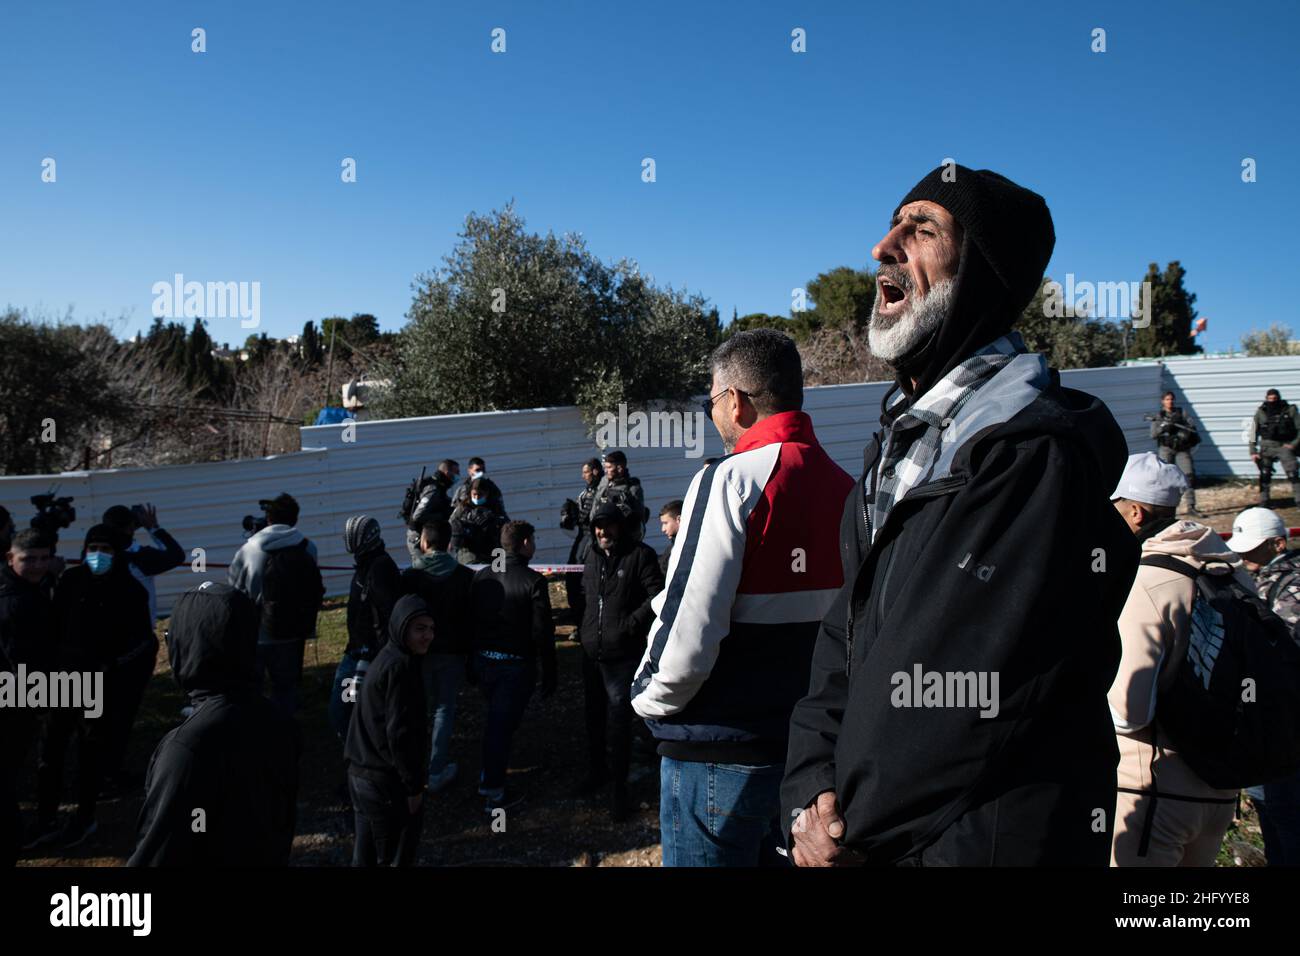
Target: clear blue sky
(771,166)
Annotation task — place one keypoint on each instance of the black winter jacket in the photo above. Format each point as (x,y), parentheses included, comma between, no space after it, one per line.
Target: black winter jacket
(376,586)
(475,533)
(444,586)
(388,736)
(235,758)
(26,624)
(1009,561)
(512,613)
(618,588)
(101,620)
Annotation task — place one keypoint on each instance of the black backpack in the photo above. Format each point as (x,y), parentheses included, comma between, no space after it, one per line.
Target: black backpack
(292,591)
(1229,742)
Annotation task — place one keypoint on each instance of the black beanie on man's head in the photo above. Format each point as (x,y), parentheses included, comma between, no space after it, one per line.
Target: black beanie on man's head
(1007,241)
(1009,225)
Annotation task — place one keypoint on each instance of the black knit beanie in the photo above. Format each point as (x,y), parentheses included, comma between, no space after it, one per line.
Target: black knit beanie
(1007,242)
(1009,224)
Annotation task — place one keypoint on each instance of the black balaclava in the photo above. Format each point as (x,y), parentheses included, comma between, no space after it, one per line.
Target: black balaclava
(1008,240)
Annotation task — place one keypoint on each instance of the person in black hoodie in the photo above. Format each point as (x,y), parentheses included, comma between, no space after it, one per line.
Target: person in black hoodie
(620,578)
(444,583)
(388,740)
(374,590)
(513,630)
(222,788)
(979,543)
(102,626)
(27,639)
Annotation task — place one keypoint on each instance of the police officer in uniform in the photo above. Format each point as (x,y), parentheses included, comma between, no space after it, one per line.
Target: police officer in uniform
(1274,438)
(1176,436)
(619,488)
(577,514)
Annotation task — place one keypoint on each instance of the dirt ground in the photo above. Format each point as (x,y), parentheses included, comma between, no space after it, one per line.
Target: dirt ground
(548,760)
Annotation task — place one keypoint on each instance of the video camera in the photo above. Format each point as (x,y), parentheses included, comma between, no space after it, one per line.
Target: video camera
(53,514)
(253,525)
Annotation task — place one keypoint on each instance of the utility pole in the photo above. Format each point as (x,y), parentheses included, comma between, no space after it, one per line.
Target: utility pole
(329,369)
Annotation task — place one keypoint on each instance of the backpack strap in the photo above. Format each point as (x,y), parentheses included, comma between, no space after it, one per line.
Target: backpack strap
(1277,586)
(1170,563)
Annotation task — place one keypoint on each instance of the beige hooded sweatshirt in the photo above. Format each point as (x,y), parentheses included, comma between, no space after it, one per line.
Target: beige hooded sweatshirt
(1153,631)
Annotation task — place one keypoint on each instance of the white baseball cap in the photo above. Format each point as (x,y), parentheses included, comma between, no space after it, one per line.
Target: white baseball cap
(1254,526)
(1151,481)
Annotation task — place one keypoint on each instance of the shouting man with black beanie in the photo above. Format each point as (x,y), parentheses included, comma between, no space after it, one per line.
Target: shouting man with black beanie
(956,713)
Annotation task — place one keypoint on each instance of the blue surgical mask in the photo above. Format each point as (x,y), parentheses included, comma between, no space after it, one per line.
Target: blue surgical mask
(479,501)
(99,561)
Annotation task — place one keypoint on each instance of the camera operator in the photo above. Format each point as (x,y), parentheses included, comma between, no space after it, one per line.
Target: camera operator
(146,562)
(276,567)
(1176,436)
(52,516)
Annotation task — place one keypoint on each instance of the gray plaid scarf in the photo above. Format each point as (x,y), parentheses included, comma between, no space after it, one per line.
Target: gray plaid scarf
(913,439)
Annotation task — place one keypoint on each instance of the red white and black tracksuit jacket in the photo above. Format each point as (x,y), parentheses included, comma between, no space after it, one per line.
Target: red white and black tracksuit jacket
(753,570)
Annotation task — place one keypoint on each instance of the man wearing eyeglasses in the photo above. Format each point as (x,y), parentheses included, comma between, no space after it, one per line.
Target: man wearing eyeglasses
(753,569)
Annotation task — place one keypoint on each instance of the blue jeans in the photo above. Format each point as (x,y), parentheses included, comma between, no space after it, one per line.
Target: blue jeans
(720,814)
(442,675)
(1279,820)
(506,686)
(339,710)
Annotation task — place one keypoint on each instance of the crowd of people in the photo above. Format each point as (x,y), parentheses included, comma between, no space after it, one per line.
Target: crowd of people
(808,659)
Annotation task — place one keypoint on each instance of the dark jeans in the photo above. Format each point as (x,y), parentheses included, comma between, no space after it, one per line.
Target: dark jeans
(1279,821)
(16,731)
(282,662)
(719,814)
(122,704)
(60,728)
(608,692)
(506,686)
(388,834)
(339,710)
(442,675)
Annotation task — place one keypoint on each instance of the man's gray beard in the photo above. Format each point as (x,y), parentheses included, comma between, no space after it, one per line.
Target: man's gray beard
(911,328)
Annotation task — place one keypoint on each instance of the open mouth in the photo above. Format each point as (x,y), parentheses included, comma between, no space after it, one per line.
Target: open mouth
(891,293)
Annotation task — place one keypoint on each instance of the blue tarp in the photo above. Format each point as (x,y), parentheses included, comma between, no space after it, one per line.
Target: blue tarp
(333,415)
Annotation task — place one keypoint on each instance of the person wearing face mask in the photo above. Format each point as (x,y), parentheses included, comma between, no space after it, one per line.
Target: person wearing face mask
(488,490)
(476,526)
(101,625)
